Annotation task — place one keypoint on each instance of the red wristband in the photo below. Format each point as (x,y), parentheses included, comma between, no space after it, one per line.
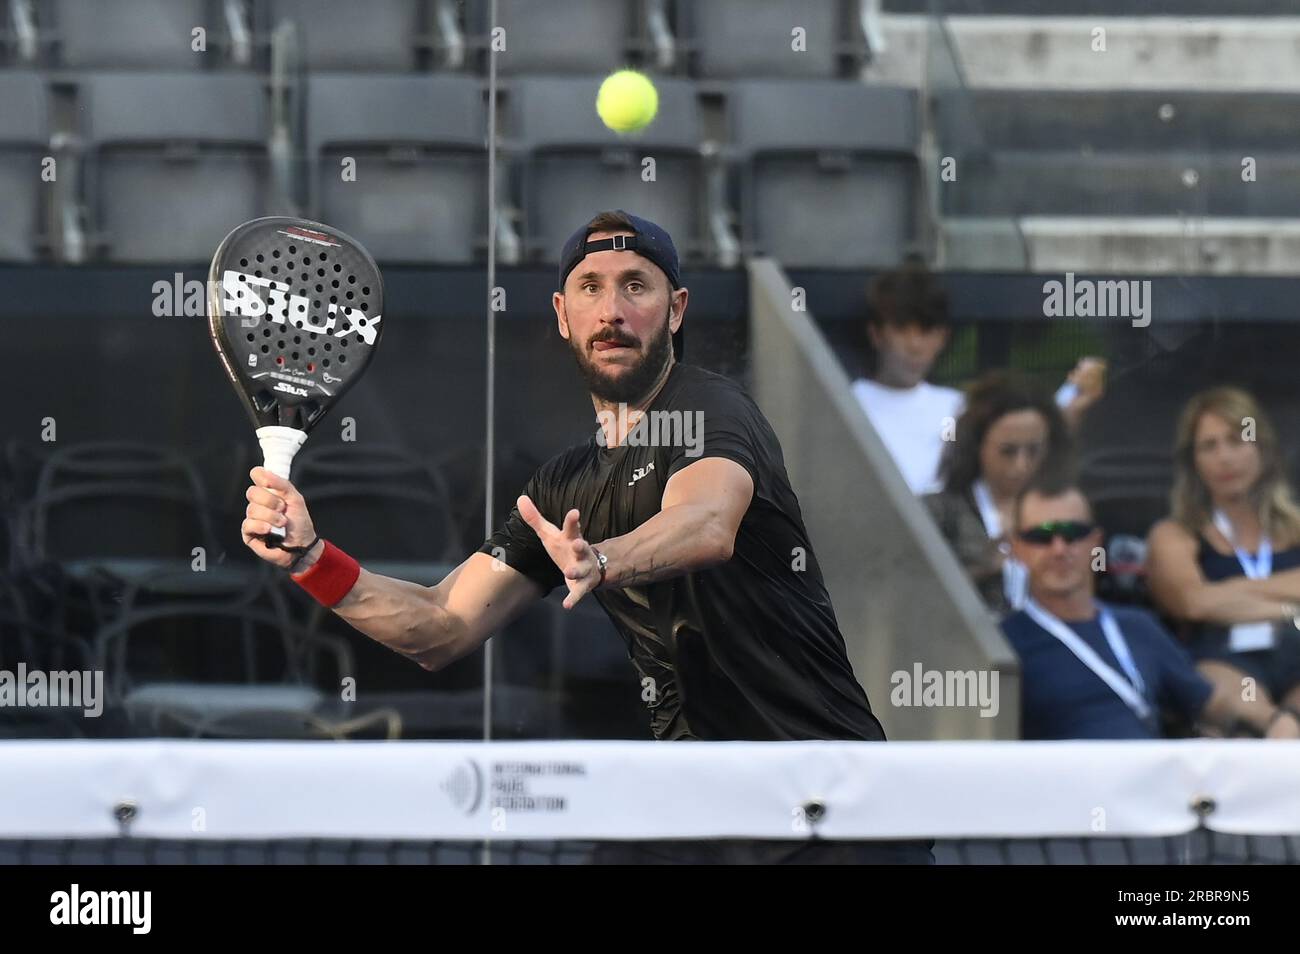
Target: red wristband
(330,578)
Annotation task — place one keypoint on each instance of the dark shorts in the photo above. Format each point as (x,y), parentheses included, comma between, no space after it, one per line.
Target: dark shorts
(751,852)
(1276,670)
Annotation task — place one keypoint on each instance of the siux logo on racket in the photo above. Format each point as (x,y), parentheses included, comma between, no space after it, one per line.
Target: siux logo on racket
(253,296)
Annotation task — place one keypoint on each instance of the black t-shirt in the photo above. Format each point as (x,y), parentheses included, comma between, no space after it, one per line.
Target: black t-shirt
(748,649)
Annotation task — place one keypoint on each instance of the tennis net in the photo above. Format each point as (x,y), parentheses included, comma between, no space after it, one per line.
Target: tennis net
(205,802)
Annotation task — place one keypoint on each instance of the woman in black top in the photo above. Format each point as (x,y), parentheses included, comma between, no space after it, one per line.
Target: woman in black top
(1226,562)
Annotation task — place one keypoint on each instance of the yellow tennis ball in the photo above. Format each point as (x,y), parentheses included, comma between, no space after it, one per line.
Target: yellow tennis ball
(627,101)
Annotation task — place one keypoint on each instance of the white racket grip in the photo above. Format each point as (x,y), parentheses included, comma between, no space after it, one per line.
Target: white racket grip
(279,447)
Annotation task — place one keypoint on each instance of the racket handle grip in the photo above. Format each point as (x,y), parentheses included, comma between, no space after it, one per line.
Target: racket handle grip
(279,447)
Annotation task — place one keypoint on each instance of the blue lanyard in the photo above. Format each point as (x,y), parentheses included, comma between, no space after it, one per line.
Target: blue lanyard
(1133,692)
(1119,646)
(1258,567)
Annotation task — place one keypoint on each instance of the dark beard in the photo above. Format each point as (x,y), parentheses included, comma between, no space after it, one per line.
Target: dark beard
(633,384)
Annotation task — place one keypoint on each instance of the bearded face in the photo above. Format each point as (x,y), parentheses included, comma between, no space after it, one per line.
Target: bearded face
(619,368)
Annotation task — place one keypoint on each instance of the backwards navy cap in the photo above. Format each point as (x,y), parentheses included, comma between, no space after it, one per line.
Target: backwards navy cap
(650,241)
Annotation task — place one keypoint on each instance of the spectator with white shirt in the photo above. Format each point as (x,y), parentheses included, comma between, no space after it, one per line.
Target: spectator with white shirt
(908,328)
(1007,433)
(1226,562)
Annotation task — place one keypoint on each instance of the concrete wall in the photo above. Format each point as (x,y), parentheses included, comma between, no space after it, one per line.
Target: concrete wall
(900,596)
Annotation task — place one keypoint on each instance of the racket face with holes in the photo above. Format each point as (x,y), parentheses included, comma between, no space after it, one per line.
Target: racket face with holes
(295,309)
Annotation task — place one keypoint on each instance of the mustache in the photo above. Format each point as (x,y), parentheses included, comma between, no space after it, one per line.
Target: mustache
(612,337)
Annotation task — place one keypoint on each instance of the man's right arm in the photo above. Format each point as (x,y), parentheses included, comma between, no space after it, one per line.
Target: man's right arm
(435,625)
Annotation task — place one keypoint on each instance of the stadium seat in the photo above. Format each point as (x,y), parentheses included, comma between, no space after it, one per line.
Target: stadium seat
(396,505)
(124,513)
(175,161)
(1140,154)
(738,38)
(419,143)
(1078,8)
(382,35)
(828,171)
(111,526)
(35,642)
(556,36)
(1139,120)
(141,34)
(228,669)
(392,510)
(1065,183)
(570,166)
(24,139)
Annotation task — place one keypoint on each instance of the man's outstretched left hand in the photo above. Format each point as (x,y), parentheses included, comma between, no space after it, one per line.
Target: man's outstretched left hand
(566,546)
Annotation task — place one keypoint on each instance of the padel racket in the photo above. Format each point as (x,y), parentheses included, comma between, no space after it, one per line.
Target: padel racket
(295,310)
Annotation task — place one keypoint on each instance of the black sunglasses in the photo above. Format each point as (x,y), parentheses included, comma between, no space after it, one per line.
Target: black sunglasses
(1071,531)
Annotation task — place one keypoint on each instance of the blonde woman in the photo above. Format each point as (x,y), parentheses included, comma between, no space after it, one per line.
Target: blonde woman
(1226,562)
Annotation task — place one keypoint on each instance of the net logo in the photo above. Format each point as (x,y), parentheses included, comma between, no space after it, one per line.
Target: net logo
(243,298)
(513,786)
(464,787)
(74,907)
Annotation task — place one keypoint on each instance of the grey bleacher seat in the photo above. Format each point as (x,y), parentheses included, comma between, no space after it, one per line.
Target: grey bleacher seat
(24,138)
(91,502)
(30,637)
(394,510)
(399,503)
(557,36)
(1102,120)
(146,34)
(175,161)
(736,38)
(1142,153)
(572,166)
(1052,182)
(1081,8)
(240,669)
(345,35)
(828,170)
(421,164)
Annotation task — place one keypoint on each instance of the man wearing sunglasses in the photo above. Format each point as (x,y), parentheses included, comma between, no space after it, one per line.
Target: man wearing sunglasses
(1092,671)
